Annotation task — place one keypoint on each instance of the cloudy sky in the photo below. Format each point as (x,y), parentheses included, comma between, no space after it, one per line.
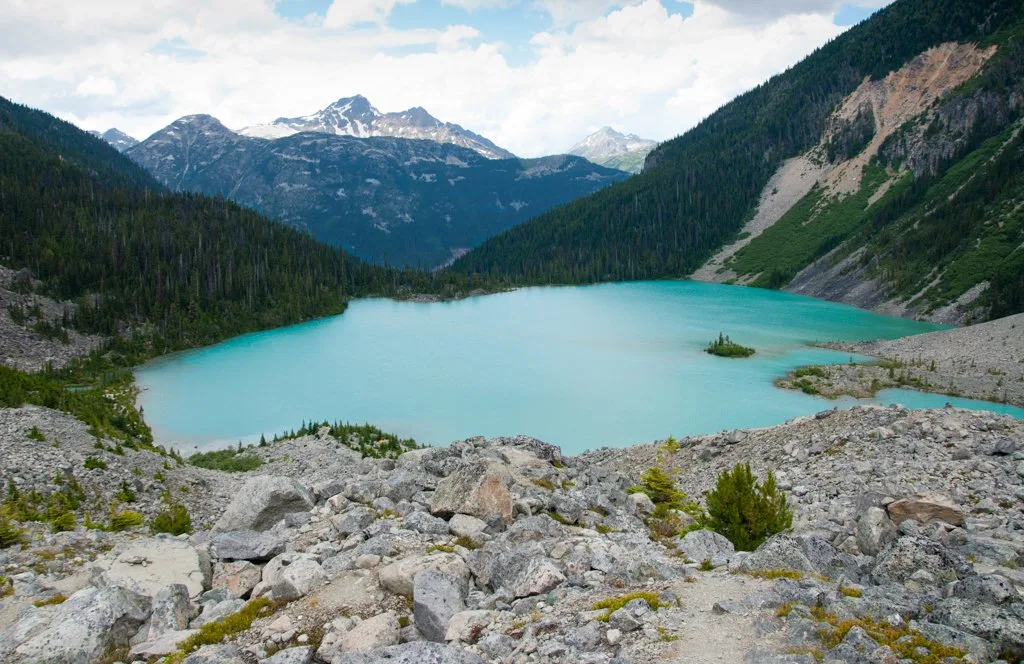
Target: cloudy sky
(533,75)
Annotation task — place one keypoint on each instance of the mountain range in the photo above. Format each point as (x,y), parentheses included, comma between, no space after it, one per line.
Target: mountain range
(355,116)
(396,200)
(610,148)
(885,170)
(117,138)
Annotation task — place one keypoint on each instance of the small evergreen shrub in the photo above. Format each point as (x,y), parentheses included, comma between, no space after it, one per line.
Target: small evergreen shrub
(173,519)
(124,520)
(36,435)
(746,511)
(92,463)
(63,523)
(10,533)
(125,494)
(231,460)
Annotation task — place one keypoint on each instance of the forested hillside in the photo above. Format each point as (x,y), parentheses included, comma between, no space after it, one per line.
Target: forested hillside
(177,270)
(698,190)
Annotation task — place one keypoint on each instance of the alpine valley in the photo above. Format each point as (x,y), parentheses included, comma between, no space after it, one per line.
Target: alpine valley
(400,188)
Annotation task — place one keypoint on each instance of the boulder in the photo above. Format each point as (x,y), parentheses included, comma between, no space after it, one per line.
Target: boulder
(436,598)
(299,579)
(146,566)
(376,632)
(248,545)
(417,652)
(989,588)
(521,572)
(214,612)
(907,556)
(780,552)
(476,489)
(422,522)
(925,507)
(463,525)
(238,578)
(398,576)
(220,654)
(874,531)
(294,655)
(353,521)
(78,631)
(1000,625)
(701,545)
(172,611)
(165,644)
(298,655)
(466,626)
(262,502)
(641,504)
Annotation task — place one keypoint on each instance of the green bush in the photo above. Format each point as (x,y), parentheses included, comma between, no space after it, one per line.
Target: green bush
(92,463)
(745,511)
(36,434)
(63,522)
(173,519)
(231,460)
(10,533)
(124,520)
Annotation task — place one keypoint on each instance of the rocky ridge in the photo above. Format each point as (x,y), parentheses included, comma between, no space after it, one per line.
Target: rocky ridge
(503,550)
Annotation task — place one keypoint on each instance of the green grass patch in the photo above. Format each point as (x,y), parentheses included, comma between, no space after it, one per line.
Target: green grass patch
(227,627)
(51,601)
(231,460)
(908,644)
(94,463)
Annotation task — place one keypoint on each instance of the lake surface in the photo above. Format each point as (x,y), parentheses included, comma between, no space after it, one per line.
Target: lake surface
(580,367)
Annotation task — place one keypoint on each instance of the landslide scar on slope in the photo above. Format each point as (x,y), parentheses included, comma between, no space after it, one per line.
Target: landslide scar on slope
(899,97)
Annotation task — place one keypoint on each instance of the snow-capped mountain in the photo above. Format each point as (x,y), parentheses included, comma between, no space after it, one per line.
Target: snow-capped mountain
(117,138)
(408,202)
(610,148)
(355,116)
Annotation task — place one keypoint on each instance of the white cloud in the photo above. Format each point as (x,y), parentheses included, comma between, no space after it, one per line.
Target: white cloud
(343,13)
(637,67)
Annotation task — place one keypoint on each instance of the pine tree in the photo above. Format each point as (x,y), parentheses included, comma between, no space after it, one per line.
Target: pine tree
(745,511)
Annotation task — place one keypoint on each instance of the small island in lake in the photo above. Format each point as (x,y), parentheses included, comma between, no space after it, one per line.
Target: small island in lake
(726,347)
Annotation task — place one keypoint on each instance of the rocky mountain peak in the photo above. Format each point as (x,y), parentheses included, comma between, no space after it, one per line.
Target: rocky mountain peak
(611,148)
(117,138)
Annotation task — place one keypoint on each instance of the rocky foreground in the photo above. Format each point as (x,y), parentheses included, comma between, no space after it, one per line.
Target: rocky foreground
(907,538)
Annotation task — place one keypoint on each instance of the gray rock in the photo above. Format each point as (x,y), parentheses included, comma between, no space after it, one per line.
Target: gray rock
(172,611)
(377,632)
(262,502)
(145,566)
(299,655)
(989,588)
(419,652)
(78,631)
(299,579)
(398,576)
(903,558)
(631,616)
(475,489)
(248,545)
(237,578)
(976,646)
(1000,625)
(220,654)
(166,644)
(436,598)
(403,485)
(701,545)
(422,522)
(1004,447)
(522,572)
(353,521)
(874,531)
(217,611)
(463,525)
(781,552)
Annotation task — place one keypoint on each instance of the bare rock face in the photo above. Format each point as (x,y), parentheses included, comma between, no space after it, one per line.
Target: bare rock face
(78,631)
(398,577)
(925,507)
(874,531)
(475,489)
(436,598)
(379,631)
(262,502)
(147,566)
(238,578)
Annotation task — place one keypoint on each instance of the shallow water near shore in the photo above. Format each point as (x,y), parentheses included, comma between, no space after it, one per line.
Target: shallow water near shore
(580,367)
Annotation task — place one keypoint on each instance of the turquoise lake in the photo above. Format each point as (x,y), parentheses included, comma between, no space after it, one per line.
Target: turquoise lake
(581,367)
